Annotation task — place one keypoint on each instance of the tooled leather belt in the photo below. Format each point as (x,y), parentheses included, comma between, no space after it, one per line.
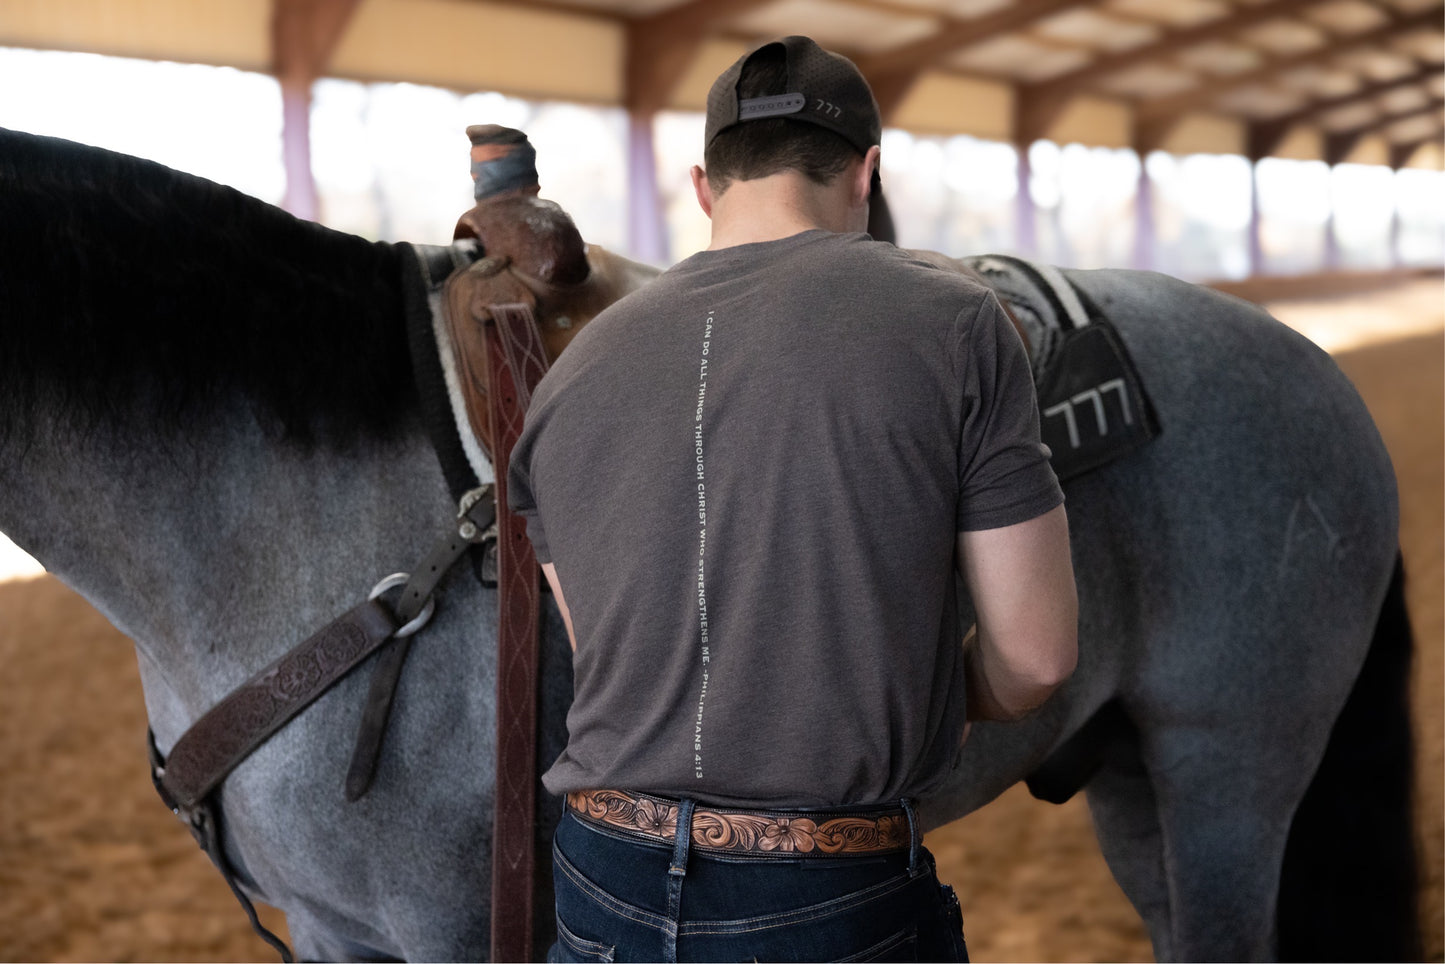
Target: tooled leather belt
(760,833)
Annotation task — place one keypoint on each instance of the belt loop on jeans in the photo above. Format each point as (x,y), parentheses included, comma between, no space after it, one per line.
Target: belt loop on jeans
(675,873)
(915,836)
(684,837)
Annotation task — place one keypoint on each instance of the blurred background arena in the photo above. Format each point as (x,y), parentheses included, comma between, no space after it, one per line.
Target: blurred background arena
(1289,151)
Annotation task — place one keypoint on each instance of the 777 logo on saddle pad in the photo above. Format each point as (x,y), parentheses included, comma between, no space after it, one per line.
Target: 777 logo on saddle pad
(1092,406)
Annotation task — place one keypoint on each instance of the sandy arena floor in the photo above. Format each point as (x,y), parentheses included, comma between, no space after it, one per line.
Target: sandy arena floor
(93,868)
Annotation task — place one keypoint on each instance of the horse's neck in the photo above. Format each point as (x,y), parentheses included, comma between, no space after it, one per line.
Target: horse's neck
(213,550)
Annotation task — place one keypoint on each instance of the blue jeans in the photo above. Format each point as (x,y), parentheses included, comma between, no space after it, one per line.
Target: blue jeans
(624,899)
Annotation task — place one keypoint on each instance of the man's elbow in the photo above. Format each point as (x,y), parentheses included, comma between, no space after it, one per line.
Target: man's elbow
(1022,685)
(1059,663)
(1053,662)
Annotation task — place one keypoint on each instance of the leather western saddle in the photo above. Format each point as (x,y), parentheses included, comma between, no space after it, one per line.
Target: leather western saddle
(534,257)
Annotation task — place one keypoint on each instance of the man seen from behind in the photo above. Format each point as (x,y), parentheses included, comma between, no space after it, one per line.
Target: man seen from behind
(751,484)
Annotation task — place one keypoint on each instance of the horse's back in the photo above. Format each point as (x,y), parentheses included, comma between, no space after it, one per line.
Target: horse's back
(1230,570)
(1268,493)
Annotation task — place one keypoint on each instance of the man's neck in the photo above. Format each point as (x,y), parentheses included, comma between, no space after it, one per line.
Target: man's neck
(776,207)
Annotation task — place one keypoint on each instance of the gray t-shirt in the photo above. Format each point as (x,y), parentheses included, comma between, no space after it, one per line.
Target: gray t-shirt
(750,476)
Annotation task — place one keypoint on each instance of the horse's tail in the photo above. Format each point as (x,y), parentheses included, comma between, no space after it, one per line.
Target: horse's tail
(1349,890)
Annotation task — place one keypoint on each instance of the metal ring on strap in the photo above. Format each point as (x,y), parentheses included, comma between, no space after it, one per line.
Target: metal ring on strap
(422,618)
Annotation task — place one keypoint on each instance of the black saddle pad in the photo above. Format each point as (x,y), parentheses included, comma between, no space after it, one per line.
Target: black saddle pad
(1093,407)
(1092,404)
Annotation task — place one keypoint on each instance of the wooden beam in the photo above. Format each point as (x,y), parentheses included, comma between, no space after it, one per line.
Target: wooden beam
(892,73)
(893,9)
(1338,144)
(1176,40)
(956,33)
(1367,92)
(563,6)
(1264,136)
(1433,107)
(1149,134)
(1039,104)
(1153,111)
(304,35)
(661,47)
(1400,154)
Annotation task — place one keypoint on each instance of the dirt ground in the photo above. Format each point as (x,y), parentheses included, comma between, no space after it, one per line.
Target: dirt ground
(93,868)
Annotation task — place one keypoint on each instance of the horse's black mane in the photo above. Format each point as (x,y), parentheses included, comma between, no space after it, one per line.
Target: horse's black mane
(129,289)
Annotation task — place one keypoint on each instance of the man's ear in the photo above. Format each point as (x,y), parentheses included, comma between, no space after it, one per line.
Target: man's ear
(863,184)
(702,189)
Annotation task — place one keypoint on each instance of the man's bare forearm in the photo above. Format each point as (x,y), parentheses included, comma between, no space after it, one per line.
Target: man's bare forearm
(995,694)
(1025,644)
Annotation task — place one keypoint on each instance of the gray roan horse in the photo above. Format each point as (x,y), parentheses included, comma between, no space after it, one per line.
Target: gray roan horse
(210,428)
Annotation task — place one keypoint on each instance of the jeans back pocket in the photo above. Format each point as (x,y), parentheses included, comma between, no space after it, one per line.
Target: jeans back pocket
(902,946)
(570,947)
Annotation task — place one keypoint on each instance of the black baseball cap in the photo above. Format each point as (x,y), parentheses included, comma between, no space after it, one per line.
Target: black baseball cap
(823,88)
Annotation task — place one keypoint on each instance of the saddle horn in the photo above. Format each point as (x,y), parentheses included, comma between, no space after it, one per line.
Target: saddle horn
(509,218)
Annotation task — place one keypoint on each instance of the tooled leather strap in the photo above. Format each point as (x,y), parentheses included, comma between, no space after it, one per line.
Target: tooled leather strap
(476,517)
(245,719)
(516,363)
(251,714)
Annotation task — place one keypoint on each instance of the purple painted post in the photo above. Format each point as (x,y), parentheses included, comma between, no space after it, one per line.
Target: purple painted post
(646,224)
(1332,241)
(1396,223)
(300,199)
(1144,220)
(1026,237)
(1256,249)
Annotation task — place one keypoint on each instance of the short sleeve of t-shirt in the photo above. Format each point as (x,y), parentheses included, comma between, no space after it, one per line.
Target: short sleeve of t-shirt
(1004,472)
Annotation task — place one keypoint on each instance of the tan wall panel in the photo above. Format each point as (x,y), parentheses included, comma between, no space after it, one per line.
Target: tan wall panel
(949,104)
(1205,134)
(713,57)
(1430,157)
(1093,121)
(472,46)
(1371,149)
(223,32)
(1302,143)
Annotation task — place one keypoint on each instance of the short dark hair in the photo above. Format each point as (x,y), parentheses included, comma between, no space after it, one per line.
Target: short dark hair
(761,148)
